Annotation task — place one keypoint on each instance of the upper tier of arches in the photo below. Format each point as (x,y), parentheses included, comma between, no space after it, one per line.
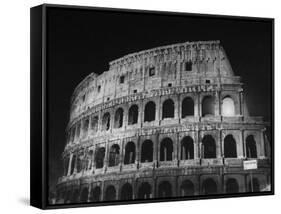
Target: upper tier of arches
(186,64)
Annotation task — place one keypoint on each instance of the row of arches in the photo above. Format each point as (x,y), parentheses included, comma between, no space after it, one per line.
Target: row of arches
(168,111)
(164,190)
(166,152)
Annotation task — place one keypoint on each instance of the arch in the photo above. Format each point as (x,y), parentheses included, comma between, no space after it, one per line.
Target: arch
(254,185)
(74,196)
(251,147)
(187,148)
(187,188)
(96,194)
(166,150)
(209,187)
(99,157)
(118,118)
(230,150)
(209,147)
(168,109)
(147,151)
(114,155)
(231,186)
(130,153)
(187,107)
(110,193)
(133,114)
(208,106)
(149,111)
(127,192)
(84,195)
(106,121)
(165,189)
(145,191)
(228,107)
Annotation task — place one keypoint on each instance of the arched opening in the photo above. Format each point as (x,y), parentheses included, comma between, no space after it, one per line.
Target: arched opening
(145,191)
(208,106)
(106,121)
(231,186)
(73,164)
(208,147)
(228,107)
(168,109)
(147,151)
(254,185)
(187,107)
(165,189)
(78,164)
(114,155)
(187,148)
(230,150)
(96,194)
(251,147)
(118,118)
(127,192)
(68,196)
(149,111)
(166,150)
(84,195)
(78,131)
(187,188)
(133,115)
(74,196)
(110,193)
(209,187)
(99,157)
(130,153)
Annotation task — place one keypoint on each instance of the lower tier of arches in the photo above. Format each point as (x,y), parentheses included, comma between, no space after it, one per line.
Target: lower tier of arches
(162,185)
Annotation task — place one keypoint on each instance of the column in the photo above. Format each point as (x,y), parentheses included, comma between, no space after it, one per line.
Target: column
(69,164)
(262,150)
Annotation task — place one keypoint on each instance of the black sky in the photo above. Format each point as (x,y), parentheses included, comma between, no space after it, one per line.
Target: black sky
(80,42)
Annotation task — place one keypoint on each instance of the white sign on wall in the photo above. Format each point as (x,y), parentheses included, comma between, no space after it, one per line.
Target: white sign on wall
(250,164)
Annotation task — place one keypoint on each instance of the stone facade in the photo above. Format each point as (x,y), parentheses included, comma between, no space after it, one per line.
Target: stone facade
(165,122)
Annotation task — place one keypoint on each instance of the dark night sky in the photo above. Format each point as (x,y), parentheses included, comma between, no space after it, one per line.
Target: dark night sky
(80,42)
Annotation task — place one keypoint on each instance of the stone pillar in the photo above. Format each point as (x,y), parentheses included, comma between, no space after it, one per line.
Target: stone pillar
(105,164)
(69,164)
(241,101)
(262,147)
(240,146)
(220,152)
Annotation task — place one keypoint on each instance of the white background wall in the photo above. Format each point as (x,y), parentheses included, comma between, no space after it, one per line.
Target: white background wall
(14,112)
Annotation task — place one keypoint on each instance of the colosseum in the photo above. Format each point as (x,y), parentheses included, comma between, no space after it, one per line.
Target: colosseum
(166,122)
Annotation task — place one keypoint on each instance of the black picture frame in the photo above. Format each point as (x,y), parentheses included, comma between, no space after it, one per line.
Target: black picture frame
(39,152)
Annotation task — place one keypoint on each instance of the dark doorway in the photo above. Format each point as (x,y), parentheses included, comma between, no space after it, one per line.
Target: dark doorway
(133,115)
(187,107)
(96,194)
(114,155)
(110,193)
(168,109)
(208,106)
(84,195)
(147,151)
(209,187)
(165,190)
(99,157)
(187,188)
(254,185)
(149,111)
(106,121)
(231,186)
(118,119)
(145,191)
(208,147)
(251,147)
(127,192)
(130,153)
(187,148)
(166,150)
(230,147)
